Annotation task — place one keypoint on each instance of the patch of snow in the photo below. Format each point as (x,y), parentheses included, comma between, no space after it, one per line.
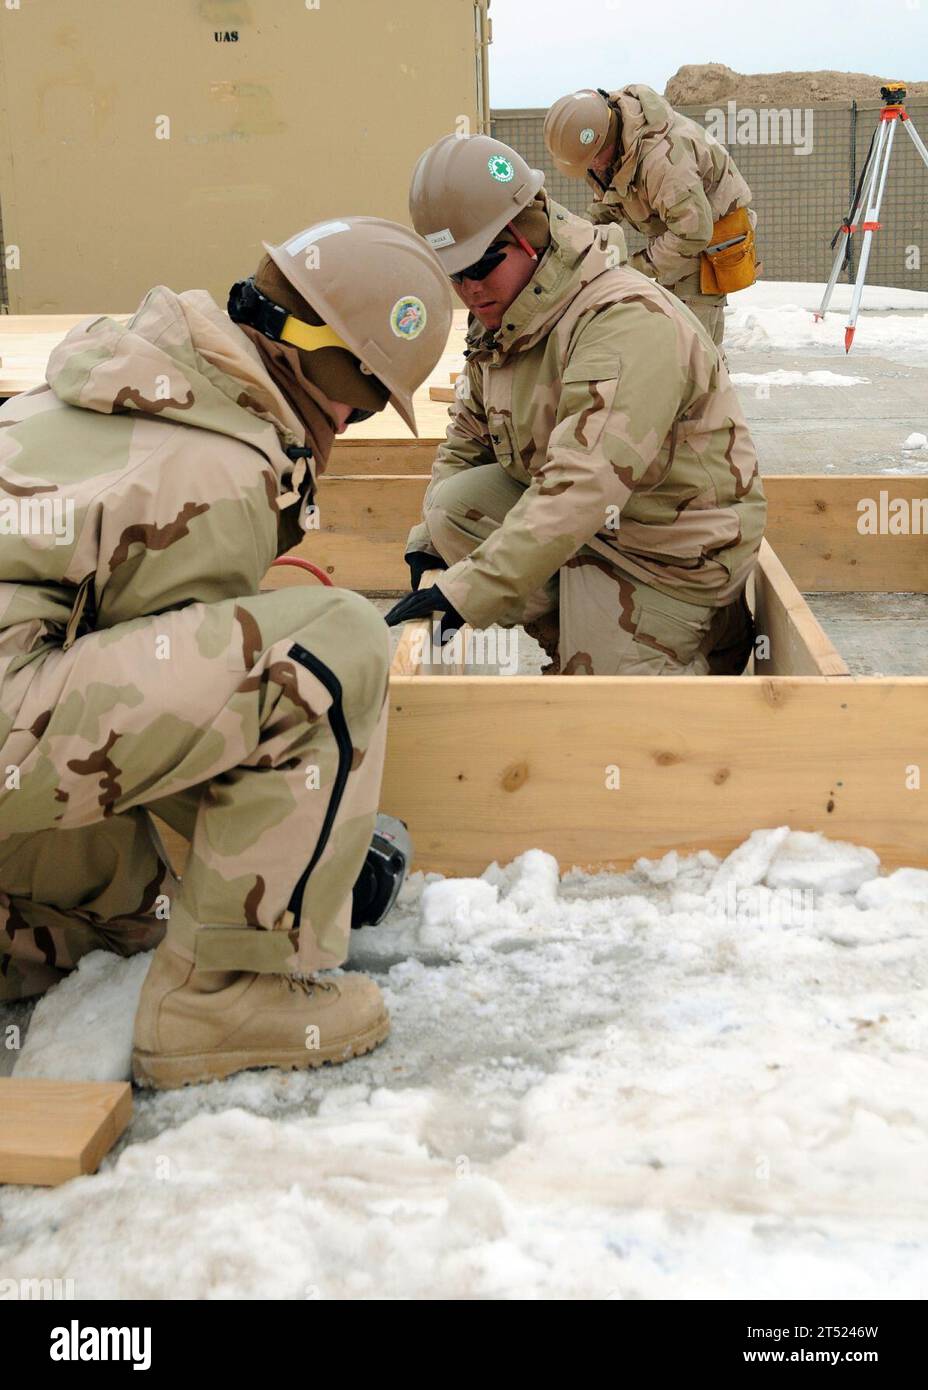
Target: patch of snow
(82,1029)
(805,860)
(916,441)
(903,886)
(807,295)
(649,1084)
(785,378)
(779,317)
(748,864)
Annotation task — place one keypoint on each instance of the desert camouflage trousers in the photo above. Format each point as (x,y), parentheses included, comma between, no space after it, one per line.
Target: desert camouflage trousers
(593,618)
(708,308)
(256,728)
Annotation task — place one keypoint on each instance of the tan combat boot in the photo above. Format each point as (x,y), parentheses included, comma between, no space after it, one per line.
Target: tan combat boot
(194,1025)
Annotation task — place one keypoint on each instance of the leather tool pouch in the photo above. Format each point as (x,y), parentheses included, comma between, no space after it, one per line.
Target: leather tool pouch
(729,262)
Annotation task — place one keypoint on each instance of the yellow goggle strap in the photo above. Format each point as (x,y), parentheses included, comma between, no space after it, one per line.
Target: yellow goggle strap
(310,337)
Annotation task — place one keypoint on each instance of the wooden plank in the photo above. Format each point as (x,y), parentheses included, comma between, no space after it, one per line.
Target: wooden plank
(396,457)
(368,565)
(364,525)
(483,768)
(812,524)
(383,507)
(414,649)
(441,393)
(796,644)
(51,1131)
(407,659)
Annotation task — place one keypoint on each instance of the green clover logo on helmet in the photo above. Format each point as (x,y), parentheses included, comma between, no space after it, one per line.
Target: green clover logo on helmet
(501,168)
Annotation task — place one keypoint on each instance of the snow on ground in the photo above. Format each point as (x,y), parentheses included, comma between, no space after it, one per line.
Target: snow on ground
(914,454)
(83,1028)
(779,315)
(693,1079)
(807,294)
(785,378)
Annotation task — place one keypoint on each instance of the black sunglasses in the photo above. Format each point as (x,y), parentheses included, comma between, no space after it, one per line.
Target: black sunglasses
(491,258)
(357,415)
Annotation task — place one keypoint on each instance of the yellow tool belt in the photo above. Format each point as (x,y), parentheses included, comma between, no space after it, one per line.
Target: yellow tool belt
(729,262)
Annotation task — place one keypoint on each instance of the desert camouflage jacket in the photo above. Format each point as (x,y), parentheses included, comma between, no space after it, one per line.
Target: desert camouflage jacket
(672,184)
(604,396)
(150,471)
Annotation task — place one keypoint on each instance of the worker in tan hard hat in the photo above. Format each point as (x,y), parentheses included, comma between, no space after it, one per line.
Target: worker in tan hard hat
(665,176)
(598,483)
(142,670)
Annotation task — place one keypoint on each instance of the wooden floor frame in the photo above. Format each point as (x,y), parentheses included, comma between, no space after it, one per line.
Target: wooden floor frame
(601,770)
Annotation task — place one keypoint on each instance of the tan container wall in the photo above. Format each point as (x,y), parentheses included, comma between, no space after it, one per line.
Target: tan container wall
(800,199)
(309,113)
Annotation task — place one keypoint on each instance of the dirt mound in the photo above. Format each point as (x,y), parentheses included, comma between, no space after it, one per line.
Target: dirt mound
(711,83)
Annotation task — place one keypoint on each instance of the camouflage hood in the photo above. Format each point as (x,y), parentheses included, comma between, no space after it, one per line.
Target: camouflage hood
(151,472)
(578,253)
(178,358)
(646,117)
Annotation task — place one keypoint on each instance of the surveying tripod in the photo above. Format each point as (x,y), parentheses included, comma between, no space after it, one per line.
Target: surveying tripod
(868,195)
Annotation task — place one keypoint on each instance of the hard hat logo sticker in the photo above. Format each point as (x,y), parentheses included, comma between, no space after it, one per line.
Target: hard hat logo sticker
(501,168)
(587,136)
(408,317)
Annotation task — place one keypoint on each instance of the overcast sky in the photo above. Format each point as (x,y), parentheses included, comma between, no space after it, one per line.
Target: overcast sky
(544,48)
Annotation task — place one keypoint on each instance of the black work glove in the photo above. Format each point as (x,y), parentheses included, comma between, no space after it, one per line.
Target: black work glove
(419,561)
(422,604)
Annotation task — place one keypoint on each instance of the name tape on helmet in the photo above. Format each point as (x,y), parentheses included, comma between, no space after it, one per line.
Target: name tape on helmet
(299,242)
(442,238)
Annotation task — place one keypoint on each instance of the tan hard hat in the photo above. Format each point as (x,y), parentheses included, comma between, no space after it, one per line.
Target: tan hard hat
(576,130)
(464,190)
(382,294)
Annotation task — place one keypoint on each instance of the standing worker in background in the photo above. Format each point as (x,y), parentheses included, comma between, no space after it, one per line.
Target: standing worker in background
(662,173)
(598,483)
(141,669)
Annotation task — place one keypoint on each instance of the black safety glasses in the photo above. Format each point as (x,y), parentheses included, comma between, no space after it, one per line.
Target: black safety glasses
(491,258)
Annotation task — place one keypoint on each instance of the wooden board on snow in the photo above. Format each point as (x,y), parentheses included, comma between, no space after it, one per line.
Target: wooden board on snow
(51,1131)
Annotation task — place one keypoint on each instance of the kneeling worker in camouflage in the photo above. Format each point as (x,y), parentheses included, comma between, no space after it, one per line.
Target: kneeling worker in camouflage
(141,669)
(598,482)
(661,173)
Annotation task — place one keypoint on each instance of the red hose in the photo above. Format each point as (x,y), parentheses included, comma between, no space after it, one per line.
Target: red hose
(304,565)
